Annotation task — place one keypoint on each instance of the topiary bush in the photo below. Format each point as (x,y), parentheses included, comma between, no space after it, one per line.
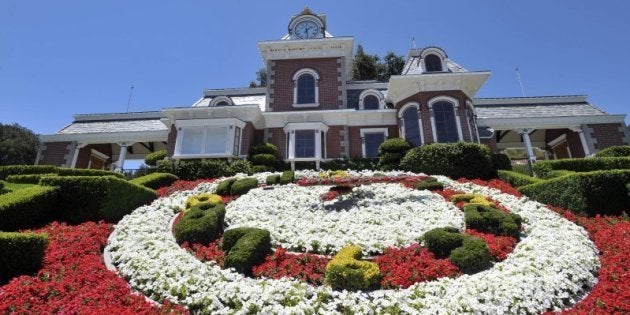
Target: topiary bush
(93,198)
(585,193)
(273,179)
(517,179)
(287,177)
(151,159)
(346,271)
(457,160)
(558,173)
(264,148)
(391,151)
(194,169)
(242,186)
(27,179)
(441,241)
(614,151)
(501,161)
(87,172)
(542,168)
(245,247)
(473,256)
(239,166)
(490,220)
(202,224)
(155,180)
(20,253)
(7,170)
(429,183)
(223,188)
(264,159)
(25,208)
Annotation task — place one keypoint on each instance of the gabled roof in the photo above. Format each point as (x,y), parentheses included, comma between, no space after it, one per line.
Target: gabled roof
(551,106)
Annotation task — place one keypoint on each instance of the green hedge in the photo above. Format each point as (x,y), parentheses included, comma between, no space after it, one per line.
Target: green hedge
(242,186)
(502,161)
(442,241)
(223,188)
(202,224)
(429,183)
(264,148)
(239,166)
(490,220)
(245,247)
(517,179)
(27,207)
(27,179)
(615,151)
(347,271)
(7,170)
(542,168)
(473,256)
(92,198)
(587,193)
(87,172)
(391,151)
(155,180)
(198,169)
(20,253)
(264,159)
(151,159)
(558,173)
(287,177)
(456,160)
(272,179)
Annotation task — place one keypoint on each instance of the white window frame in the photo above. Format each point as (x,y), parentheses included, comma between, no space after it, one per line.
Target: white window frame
(220,99)
(205,124)
(295,87)
(455,104)
(402,110)
(318,127)
(434,51)
(364,131)
(376,93)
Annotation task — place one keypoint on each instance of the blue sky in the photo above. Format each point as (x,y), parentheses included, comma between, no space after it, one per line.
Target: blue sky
(59,58)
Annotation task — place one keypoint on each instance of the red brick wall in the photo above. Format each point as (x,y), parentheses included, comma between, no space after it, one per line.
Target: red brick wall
(607,135)
(86,152)
(279,138)
(283,71)
(573,140)
(356,150)
(172,138)
(54,154)
(247,138)
(333,142)
(423,99)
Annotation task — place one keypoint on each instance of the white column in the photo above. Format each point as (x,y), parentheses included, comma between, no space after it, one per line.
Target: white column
(121,157)
(318,144)
(433,127)
(528,143)
(75,156)
(580,132)
(459,124)
(291,144)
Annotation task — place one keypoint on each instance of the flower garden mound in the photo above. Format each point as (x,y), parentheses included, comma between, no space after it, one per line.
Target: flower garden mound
(552,267)
(378,216)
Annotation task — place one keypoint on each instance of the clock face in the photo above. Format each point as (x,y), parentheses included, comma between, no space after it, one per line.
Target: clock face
(306,30)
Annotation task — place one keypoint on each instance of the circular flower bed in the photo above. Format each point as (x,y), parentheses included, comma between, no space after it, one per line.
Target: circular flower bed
(551,268)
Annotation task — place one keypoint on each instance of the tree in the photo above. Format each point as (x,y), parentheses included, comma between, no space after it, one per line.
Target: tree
(261,77)
(18,145)
(370,67)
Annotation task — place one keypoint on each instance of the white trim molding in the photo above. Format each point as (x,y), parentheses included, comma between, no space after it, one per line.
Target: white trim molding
(418,113)
(220,99)
(296,76)
(364,131)
(437,52)
(318,128)
(375,93)
(455,103)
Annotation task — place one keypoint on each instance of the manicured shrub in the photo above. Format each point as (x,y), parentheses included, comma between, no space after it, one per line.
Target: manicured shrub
(239,166)
(264,148)
(223,188)
(26,179)
(473,256)
(471,198)
(614,151)
(27,207)
(501,161)
(491,220)
(264,159)
(245,247)
(87,172)
(155,180)
(203,224)
(391,151)
(346,271)
(429,184)
(441,241)
(273,179)
(152,158)
(517,179)
(194,169)
(20,253)
(542,168)
(558,173)
(287,177)
(93,198)
(204,198)
(7,170)
(586,193)
(261,168)
(242,186)
(457,160)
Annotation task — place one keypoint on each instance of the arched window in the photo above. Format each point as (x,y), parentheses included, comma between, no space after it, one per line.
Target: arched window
(370,102)
(445,123)
(432,63)
(222,103)
(411,125)
(306,89)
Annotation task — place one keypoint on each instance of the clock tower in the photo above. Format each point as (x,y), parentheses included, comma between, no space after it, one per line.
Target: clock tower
(307,25)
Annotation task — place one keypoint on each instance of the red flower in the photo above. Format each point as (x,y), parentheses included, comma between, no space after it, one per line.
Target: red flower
(500,246)
(305,267)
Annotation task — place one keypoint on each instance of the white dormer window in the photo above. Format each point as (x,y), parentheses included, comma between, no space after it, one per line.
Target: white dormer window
(221,101)
(433,60)
(306,88)
(371,99)
(432,63)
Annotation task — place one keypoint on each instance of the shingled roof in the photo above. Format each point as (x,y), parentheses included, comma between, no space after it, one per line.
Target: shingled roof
(517,107)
